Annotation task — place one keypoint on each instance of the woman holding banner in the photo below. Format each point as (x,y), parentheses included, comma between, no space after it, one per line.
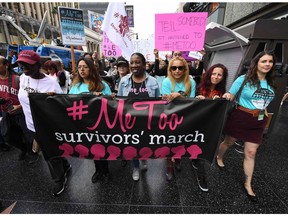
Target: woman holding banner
(138,84)
(248,121)
(89,81)
(212,86)
(33,81)
(177,84)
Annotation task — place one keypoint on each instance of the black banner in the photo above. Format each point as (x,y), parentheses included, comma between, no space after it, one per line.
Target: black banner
(86,126)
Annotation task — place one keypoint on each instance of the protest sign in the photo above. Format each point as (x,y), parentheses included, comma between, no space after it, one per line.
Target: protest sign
(180,31)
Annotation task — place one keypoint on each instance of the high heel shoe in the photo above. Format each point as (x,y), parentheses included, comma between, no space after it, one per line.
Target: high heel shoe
(252,198)
(222,168)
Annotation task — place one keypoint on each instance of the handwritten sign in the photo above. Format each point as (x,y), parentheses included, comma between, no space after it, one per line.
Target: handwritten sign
(195,55)
(185,55)
(146,47)
(72,26)
(180,31)
(109,49)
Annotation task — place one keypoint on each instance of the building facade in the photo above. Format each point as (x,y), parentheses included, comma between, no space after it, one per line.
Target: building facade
(20,18)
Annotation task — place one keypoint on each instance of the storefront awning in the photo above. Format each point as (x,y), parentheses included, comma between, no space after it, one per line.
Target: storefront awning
(219,37)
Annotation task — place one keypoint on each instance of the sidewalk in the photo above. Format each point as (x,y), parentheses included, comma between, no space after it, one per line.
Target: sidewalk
(30,185)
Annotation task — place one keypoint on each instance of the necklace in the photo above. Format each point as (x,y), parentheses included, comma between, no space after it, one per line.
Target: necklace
(134,87)
(28,89)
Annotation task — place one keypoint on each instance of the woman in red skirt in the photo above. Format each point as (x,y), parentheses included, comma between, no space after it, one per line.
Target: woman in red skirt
(248,121)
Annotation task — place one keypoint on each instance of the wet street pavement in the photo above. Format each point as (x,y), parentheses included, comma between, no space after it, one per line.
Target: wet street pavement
(30,185)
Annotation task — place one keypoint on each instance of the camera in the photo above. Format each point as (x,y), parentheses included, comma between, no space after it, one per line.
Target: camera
(2,101)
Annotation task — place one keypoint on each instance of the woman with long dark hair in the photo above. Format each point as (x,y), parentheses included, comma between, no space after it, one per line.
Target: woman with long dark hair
(88,80)
(248,121)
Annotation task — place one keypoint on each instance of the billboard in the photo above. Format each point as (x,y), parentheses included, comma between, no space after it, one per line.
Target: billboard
(130,14)
(95,21)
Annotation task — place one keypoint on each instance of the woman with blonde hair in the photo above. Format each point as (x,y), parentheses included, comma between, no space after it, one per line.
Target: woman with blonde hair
(178,83)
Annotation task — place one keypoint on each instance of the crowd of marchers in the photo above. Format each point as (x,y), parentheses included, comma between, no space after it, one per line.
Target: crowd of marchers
(168,78)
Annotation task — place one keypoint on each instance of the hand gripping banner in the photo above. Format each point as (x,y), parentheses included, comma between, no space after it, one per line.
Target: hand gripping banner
(102,128)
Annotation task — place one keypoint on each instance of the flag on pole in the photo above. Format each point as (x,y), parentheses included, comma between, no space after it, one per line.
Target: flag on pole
(116,27)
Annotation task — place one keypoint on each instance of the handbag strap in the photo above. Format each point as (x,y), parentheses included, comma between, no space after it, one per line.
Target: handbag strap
(238,94)
(10,81)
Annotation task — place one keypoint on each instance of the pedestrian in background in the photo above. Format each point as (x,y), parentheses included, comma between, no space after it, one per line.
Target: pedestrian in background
(16,132)
(197,71)
(248,121)
(122,70)
(62,77)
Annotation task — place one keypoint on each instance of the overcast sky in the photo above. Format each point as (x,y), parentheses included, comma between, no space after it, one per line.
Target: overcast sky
(144,14)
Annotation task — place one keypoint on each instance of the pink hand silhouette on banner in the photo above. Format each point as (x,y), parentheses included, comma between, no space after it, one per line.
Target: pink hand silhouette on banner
(68,150)
(194,151)
(98,151)
(178,151)
(114,152)
(162,152)
(129,153)
(82,150)
(145,153)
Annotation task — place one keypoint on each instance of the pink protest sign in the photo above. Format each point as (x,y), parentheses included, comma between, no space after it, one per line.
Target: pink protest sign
(180,31)
(109,49)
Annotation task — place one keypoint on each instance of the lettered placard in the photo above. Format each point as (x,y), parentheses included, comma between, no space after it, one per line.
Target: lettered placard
(196,55)
(109,49)
(146,47)
(180,31)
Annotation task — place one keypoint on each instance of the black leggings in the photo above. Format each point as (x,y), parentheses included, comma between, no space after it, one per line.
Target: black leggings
(101,166)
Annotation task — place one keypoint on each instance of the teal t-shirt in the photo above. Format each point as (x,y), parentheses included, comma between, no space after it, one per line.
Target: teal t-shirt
(179,87)
(83,88)
(251,97)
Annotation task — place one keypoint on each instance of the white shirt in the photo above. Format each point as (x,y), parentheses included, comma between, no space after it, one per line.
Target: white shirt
(30,85)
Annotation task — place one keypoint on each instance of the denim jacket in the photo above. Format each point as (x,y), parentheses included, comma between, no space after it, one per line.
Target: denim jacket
(150,83)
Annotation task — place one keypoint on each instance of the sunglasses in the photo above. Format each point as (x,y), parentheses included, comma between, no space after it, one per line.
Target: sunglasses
(180,68)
